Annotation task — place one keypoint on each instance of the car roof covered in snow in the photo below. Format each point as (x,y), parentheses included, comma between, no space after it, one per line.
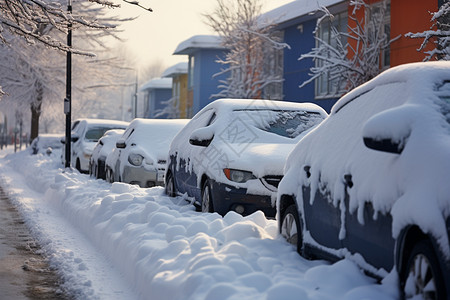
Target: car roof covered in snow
(259,104)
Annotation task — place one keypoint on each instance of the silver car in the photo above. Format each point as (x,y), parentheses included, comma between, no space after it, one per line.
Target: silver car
(140,154)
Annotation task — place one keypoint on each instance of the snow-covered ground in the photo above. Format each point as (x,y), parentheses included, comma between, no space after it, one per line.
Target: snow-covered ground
(117,241)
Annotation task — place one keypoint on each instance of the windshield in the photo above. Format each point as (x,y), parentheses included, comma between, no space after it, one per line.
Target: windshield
(95,133)
(288,124)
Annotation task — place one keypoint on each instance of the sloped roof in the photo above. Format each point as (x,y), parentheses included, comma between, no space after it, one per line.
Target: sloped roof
(157,83)
(199,42)
(179,68)
(295,9)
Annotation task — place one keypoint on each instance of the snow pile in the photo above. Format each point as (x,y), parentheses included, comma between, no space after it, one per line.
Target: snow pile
(122,242)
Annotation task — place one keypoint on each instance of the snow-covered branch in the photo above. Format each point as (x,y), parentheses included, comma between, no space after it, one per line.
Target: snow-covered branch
(352,57)
(439,37)
(251,63)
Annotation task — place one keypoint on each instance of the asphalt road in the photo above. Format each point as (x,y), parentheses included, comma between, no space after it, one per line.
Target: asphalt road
(24,274)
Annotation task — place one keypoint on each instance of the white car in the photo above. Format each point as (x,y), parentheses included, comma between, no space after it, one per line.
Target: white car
(140,154)
(46,143)
(85,135)
(370,183)
(230,156)
(105,145)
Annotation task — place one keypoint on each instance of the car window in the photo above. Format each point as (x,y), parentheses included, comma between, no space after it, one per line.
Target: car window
(284,123)
(127,133)
(204,119)
(95,133)
(212,119)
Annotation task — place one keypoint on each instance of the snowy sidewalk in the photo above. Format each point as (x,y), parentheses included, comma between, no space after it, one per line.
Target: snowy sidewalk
(24,273)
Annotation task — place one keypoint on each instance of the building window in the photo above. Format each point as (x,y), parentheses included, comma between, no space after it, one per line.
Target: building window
(274,67)
(376,14)
(191,72)
(324,86)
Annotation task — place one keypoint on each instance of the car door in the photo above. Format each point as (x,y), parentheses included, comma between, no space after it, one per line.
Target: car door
(336,217)
(185,177)
(120,151)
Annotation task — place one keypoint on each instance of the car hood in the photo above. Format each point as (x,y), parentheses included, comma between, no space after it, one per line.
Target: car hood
(260,158)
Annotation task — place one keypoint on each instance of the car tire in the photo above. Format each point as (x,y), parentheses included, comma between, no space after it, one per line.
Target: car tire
(78,165)
(422,275)
(291,228)
(109,176)
(170,186)
(207,200)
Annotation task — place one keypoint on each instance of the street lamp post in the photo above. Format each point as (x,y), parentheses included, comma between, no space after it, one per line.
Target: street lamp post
(68,100)
(136,95)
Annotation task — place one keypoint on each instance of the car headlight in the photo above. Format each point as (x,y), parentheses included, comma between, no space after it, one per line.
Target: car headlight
(238,175)
(135,159)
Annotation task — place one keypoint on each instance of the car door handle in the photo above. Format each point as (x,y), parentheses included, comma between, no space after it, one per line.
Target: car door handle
(348,180)
(307,171)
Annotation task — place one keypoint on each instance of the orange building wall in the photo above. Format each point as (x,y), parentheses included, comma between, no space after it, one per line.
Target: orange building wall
(406,16)
(409,16)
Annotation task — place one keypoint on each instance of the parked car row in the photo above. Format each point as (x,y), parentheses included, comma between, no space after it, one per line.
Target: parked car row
(367,182)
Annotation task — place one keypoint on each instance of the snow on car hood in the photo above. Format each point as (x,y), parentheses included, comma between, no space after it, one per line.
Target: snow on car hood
(255,158)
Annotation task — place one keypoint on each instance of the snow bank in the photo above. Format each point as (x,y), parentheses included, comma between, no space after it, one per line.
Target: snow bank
(122,242)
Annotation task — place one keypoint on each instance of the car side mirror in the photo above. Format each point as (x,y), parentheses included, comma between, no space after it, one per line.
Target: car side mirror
(202,143)
(63,140)
(385,145)
(202,137)
(389,130)
(74,138)
(121,144)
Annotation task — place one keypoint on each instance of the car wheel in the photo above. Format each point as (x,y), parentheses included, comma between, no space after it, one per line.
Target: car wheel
(78,165)
(422,278)
(170,186)
(207,203)
(109,176)
(291,228)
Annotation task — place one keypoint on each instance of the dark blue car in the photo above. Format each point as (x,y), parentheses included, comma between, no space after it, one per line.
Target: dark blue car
(370,183)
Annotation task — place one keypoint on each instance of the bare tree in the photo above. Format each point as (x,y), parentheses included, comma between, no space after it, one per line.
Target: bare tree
(32,73)
(252,44)
(438,35)
(353,56)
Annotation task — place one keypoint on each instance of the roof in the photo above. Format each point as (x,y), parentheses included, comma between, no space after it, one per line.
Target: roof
(295,9)
(252,104)
(418,74)
(199,42)
(178,69)
(157,83)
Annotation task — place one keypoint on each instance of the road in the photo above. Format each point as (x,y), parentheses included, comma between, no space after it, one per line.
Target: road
(24,274)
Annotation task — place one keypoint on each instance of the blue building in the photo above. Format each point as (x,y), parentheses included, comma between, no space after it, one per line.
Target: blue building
(156,91)
(203,52)
(297,22)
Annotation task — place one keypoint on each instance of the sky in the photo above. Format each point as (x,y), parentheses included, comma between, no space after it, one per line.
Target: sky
(153,36)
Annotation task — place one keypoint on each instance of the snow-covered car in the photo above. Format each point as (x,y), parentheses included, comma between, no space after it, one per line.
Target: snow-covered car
(370,183)
(230,156)
(141,152)
(45,143)
(84,137)
(105,145)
